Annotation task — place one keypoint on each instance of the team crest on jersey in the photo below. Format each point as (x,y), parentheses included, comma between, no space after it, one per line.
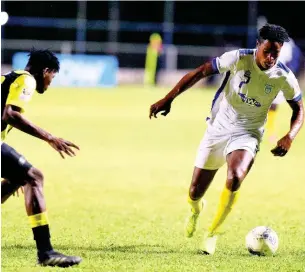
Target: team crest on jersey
(268,88)
(26,94)
(26,91)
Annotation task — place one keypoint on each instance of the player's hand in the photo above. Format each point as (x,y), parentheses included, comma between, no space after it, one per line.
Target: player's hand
(162,105)
(63,146)
(19,191)
(283,146)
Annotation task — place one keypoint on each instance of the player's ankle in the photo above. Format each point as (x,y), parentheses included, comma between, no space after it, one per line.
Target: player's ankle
(42,254)
(195,212)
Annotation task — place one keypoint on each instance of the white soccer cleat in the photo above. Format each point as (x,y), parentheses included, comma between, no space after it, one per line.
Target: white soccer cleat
(209,244)
(192,221)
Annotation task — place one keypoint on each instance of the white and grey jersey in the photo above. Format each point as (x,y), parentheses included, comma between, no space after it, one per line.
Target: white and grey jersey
(246,92)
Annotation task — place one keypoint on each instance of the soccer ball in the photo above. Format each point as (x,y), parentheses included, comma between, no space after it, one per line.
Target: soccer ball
(262,241)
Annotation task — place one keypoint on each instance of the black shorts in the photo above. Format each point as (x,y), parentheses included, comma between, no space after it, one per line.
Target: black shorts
(14,166)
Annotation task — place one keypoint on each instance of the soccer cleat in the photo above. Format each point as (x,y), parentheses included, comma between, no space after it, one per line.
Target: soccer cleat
(209,244)
(53,258)
(192,221)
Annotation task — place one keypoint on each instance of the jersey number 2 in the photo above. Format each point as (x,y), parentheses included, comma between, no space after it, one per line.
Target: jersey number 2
(247,75)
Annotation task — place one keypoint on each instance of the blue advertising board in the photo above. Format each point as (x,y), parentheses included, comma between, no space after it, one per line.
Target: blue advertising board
(79,70)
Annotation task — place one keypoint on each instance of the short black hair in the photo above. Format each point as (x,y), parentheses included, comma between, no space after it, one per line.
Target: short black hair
(273,33)
(41,59)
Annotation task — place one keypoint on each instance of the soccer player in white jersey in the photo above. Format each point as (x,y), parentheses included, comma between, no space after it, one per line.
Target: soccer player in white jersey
(252,79)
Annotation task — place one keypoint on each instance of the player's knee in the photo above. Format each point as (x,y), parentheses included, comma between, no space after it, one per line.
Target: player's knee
(233,184)
(194,194)
(273,107)
(235,178)
(36,177)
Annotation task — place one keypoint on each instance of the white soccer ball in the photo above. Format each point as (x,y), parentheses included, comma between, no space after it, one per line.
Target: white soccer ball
(262,241)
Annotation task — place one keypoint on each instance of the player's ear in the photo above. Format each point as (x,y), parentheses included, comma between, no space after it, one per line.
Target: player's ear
(257,43)
(45,70)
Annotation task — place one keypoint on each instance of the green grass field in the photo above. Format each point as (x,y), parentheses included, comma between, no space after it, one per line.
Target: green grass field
(121,202)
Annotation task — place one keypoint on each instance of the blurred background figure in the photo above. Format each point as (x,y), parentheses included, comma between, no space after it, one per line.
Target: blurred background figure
(177,43)
(152,61)
(291,56)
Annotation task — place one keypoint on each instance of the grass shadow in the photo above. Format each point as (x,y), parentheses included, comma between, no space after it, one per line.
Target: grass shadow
(133,249)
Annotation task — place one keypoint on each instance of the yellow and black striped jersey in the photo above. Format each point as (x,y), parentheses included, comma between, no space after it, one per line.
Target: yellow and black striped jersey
(17,88)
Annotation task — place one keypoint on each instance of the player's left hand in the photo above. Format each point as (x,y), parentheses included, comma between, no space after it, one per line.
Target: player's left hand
(63,146)
(283,146)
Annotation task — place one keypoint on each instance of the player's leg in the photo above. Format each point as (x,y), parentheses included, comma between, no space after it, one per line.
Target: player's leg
(36,210)
(7,189)
(239,164)
(19,171)
(210,157)
(201,181)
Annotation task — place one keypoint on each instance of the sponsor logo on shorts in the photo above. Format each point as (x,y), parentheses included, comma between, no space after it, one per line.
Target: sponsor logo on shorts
(249,100)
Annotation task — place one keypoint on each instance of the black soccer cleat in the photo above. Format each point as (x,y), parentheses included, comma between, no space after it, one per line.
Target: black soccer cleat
(53,258)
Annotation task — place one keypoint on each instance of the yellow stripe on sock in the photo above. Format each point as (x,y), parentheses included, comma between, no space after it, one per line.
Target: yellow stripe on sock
(38,220)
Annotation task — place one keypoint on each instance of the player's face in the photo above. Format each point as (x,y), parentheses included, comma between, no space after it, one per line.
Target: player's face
(48,76)
(267,54)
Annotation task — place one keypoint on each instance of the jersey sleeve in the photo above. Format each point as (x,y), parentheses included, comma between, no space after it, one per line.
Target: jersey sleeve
(291,89)
(226,61)
(21,91)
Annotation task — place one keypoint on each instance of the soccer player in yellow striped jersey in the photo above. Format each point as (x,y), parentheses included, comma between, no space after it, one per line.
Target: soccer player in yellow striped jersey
(17,88)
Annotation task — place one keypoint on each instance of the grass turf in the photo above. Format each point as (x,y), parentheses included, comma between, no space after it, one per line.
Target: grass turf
(121,202)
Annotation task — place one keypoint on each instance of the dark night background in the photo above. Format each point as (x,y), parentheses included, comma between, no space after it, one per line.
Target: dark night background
(288,14)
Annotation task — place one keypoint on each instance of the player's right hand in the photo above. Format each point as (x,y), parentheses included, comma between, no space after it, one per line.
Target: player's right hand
(63,146)
(162,105)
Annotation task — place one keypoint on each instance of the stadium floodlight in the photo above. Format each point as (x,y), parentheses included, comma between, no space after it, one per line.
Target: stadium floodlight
(3,17)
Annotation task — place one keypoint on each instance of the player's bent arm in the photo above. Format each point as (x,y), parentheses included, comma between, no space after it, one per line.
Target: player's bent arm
(11,115)
(297,118)
(205,70)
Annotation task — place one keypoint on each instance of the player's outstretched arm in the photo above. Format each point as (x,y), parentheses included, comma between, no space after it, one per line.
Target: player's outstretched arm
(12,116)
(185,83)
(297,120)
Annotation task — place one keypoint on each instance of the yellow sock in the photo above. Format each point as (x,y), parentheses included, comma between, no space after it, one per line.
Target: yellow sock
(38,220)
(195,204)
(270,122)
(227,201)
